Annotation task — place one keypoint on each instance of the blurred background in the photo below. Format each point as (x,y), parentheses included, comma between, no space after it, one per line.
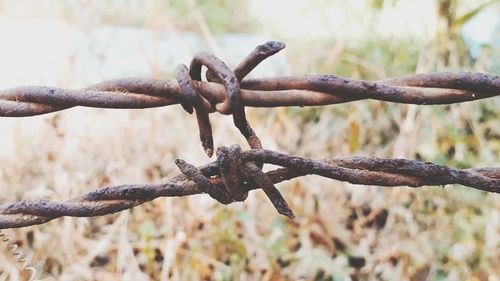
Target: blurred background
(342,231)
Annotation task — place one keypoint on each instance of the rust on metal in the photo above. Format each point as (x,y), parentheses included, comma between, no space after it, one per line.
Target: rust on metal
(357,170)
(201,105)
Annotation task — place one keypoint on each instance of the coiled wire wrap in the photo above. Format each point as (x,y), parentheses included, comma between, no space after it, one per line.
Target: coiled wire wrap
(18,256)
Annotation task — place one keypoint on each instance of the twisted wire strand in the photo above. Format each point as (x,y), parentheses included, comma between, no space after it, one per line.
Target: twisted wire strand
(309,90)
(18,255)
(356,170)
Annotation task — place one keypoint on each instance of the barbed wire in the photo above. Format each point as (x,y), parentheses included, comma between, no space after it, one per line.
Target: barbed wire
(235,172)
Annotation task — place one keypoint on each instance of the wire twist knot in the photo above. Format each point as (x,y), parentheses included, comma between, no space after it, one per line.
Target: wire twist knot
(219,72)
(238,174)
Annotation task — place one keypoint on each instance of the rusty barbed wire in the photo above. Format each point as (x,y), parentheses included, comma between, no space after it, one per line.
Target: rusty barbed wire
(207,179)
(235,172)
(226,92)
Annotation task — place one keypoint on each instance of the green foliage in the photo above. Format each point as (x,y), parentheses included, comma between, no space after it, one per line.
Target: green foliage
(219,15)
(470,14)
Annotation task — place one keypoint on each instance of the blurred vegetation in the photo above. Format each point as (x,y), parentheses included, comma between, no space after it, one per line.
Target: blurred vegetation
(219,15)
(431,233)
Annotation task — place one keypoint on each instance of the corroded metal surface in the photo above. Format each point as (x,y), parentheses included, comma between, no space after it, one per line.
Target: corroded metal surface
(219,181)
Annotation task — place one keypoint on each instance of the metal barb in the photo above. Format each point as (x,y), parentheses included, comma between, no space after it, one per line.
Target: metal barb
(218,72)
(201,105)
